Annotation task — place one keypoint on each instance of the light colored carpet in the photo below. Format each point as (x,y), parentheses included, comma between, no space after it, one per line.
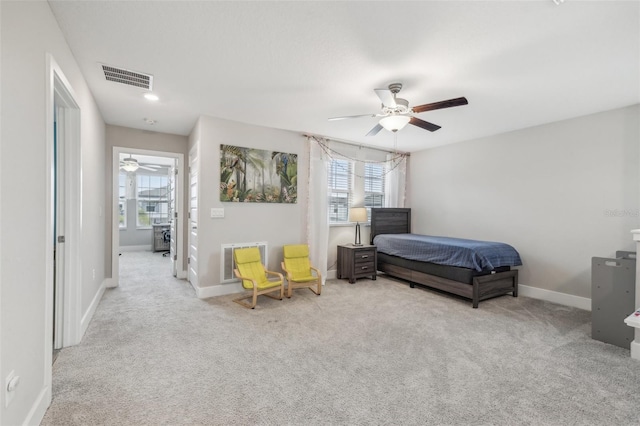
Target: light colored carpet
(376,352)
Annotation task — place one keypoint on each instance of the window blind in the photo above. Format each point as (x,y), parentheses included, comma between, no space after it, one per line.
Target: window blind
(340,184)
(374,177)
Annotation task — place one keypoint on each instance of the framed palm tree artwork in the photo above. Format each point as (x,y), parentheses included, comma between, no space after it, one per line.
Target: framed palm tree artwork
(257,176)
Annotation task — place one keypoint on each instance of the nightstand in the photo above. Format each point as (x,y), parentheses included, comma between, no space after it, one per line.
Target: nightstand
(357,262)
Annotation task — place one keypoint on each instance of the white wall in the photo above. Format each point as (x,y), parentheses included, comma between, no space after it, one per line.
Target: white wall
(547,190)
(2,397)
(29,31)
(276,223)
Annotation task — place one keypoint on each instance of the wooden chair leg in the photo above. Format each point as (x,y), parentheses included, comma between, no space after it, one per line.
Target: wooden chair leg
(291,287)
(272,296)
(240,301)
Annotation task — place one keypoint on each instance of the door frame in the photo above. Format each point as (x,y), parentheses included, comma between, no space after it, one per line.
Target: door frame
(61,99)
(115,226)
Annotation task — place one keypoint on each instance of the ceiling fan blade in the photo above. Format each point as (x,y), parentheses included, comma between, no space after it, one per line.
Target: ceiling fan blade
(148,168)
(375,130)
(442,104)
(352,116)
(386,97)
(424,124)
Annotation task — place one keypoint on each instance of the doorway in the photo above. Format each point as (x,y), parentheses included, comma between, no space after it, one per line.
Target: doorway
(62,213)
(147,206)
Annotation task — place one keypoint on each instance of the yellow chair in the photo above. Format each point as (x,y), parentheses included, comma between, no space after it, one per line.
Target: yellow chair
(254,276)
(300,273)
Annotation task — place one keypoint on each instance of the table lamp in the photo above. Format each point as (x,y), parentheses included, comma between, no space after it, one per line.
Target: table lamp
(357,214)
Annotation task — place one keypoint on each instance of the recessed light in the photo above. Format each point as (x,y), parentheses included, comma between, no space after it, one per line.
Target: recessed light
(151,97)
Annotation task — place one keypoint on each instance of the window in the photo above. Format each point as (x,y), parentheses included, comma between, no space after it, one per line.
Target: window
(356,179)
(373,186)
(340,187)
(122,200)
(153,203)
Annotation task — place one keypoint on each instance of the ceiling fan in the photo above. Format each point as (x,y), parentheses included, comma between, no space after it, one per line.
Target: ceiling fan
(130,164)
(396,112)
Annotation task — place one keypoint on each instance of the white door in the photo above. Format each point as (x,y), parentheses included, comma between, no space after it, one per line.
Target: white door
(192,260)
(58,228)
(173,220)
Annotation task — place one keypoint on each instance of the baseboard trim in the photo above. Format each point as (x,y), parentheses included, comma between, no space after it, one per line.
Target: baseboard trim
(332,274)
(555,297)
(109,283)
(182,275)
(218,290)
(39,408)
(136,248)
(86,319)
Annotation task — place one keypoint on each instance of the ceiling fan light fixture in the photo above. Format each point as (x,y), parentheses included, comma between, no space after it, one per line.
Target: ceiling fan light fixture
(393,123)
(130,164)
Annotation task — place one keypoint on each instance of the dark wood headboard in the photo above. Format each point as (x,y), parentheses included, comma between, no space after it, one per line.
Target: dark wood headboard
(390,221)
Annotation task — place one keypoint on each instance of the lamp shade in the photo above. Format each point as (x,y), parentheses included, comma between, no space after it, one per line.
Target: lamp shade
(393,123)
(358,214)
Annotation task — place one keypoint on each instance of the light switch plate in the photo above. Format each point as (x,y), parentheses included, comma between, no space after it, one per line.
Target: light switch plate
(217,213)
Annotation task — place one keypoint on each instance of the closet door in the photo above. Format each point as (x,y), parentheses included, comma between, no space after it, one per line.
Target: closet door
(192,260)
(173,221)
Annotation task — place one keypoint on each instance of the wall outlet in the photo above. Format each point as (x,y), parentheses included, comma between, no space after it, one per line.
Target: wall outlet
(10,384)
(217,213)
(93,273)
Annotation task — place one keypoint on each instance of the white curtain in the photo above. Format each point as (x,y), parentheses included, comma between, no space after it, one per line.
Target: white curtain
(317,220)
(396,180)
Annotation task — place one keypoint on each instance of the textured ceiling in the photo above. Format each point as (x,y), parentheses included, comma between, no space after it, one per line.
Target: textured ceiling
(292,65)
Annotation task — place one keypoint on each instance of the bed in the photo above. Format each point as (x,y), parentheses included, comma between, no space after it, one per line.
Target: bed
(465,270)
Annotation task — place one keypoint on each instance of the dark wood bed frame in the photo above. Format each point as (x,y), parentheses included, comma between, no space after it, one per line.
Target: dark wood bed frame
(398,221)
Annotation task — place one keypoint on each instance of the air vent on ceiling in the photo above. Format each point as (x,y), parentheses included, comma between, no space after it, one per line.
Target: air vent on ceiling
(131,78)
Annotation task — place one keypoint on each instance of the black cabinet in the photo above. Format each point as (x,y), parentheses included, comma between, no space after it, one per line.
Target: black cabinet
(357,262)
(161,237)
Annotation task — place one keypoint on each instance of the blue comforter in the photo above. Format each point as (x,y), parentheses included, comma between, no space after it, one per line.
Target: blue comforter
(472,254)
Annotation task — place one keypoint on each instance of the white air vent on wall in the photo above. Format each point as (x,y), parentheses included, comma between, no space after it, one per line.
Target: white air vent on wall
(227,263)
(131,78)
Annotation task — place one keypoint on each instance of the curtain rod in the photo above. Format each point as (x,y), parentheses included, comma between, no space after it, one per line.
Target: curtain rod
(354,144)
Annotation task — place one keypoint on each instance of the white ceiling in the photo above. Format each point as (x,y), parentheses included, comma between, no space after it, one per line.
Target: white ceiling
(292,65)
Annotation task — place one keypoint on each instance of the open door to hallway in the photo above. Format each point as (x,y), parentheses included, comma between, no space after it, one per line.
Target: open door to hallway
(148,206)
